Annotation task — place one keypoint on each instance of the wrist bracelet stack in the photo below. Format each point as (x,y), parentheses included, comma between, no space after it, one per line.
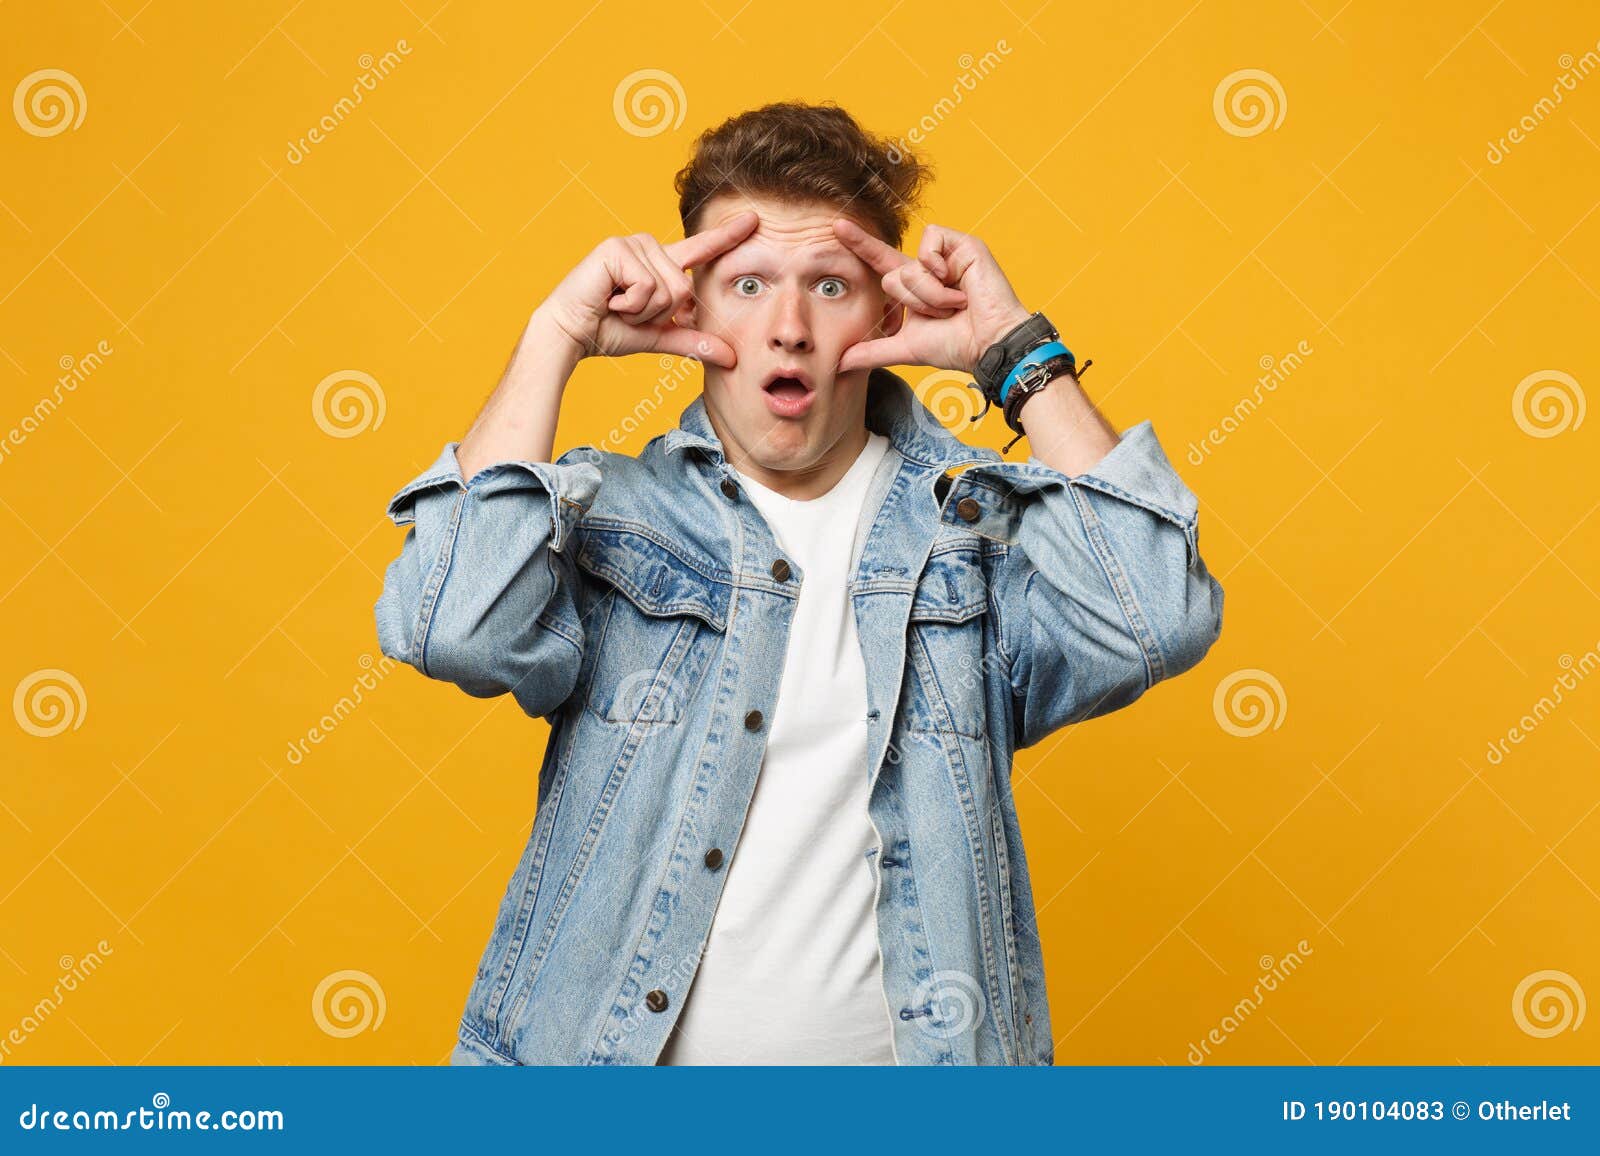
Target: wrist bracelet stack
(1018,366)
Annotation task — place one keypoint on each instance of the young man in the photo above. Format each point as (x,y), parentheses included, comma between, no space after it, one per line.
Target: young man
(787,652)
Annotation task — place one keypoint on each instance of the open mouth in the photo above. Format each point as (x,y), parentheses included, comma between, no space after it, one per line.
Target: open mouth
(790,385)
(789,391)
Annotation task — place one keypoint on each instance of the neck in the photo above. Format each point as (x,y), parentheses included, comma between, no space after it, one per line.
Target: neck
(804,482)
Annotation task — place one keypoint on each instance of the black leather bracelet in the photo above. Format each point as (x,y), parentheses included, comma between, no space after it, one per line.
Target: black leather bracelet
(998,360)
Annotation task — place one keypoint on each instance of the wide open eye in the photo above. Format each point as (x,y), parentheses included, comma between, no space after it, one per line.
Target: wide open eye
(831,287)
(747,286)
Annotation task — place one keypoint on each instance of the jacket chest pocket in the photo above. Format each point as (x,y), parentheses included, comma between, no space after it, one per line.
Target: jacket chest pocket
(663,621)
(946,647)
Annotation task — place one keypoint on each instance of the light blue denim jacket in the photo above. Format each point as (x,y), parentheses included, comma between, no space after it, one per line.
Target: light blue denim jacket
(642,606)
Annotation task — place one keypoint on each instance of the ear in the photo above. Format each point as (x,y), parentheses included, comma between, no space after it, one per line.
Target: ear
(689,315)
(894,315)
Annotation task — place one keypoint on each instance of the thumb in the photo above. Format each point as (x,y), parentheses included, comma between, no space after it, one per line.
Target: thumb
(682,342)
(878,352)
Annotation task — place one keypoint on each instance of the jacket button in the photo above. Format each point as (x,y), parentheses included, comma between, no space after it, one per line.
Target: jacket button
(780,570)
(752,721)
(729,488)
(656,1000)
(968,509)
(714,858)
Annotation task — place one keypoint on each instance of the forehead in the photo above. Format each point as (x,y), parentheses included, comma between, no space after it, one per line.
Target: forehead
(786,232)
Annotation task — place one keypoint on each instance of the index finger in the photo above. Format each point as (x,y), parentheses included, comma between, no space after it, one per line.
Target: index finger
(712,242)
(879,255)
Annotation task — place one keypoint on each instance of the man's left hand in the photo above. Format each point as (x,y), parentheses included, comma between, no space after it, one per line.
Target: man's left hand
(957,300)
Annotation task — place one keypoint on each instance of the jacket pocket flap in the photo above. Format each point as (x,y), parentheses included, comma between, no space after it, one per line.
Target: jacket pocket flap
(951,588)
(654,578)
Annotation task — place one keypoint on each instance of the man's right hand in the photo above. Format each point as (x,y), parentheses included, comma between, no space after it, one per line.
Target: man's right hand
(625,295)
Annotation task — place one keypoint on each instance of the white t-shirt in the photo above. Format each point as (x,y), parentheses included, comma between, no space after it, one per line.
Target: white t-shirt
(792,972)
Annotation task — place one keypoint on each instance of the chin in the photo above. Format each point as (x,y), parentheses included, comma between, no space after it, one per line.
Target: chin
(783,406)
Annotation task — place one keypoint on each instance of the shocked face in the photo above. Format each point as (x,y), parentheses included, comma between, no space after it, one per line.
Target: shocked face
(789,299)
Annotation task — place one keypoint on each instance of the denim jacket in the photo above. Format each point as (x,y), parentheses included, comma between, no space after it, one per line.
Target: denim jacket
(642,606)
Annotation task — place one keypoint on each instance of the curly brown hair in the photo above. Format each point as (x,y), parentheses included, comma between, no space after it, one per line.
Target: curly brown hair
(798,153)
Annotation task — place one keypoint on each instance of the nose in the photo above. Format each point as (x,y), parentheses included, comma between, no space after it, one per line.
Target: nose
(791,329)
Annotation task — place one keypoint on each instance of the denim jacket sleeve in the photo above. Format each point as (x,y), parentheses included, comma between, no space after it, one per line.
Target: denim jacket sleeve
(483,594)
(1103,592)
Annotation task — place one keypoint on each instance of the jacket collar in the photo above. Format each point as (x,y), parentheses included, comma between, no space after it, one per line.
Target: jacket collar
(893,409)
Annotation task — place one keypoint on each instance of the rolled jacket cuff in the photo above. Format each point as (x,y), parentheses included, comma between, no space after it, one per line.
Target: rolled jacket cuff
(571,481)
(1135,470)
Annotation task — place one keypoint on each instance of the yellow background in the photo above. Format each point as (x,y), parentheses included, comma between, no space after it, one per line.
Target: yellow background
(185,539)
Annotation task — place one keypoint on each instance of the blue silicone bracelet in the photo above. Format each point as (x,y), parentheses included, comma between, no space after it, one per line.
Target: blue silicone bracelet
(1032,357)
